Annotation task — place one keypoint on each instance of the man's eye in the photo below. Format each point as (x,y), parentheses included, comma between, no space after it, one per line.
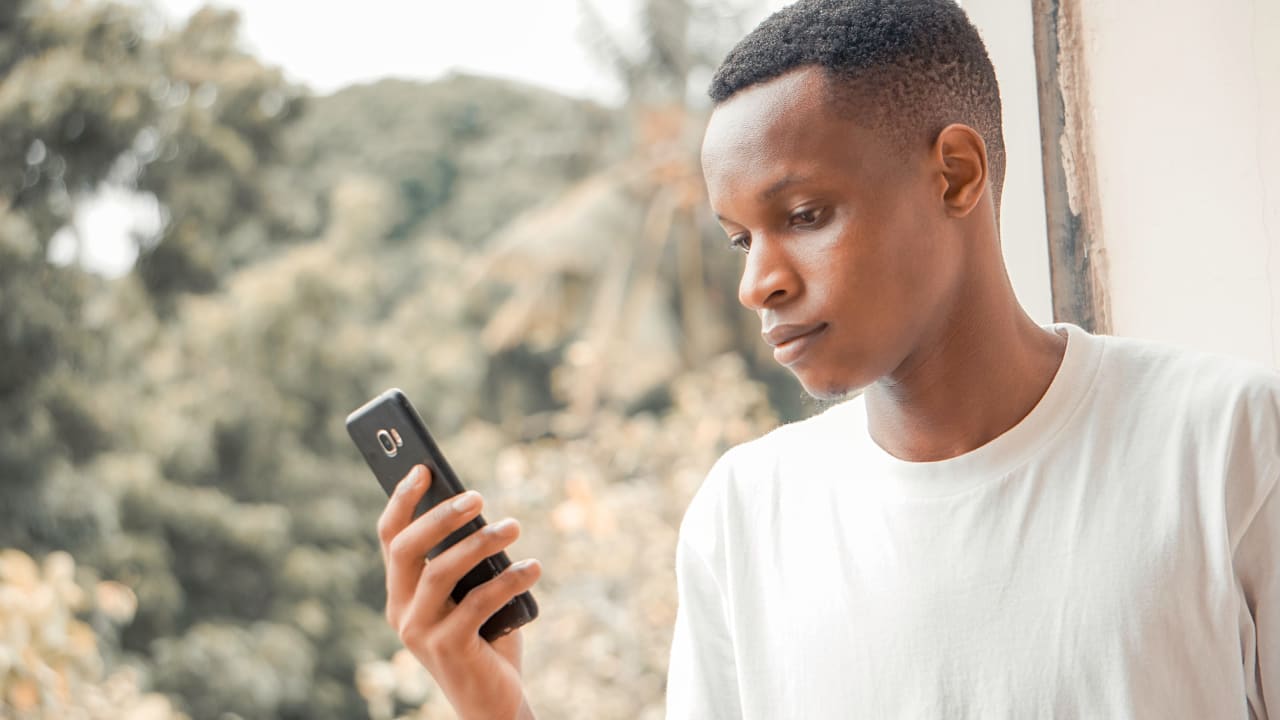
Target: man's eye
(805,217)
(740,242)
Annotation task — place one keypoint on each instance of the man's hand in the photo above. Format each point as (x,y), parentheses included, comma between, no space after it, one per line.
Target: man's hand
(480,679)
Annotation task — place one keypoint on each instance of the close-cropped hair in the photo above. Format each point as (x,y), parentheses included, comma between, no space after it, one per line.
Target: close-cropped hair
(908,67)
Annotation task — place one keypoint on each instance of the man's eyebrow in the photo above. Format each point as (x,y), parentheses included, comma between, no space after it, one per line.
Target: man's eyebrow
(777,187)
(781,185)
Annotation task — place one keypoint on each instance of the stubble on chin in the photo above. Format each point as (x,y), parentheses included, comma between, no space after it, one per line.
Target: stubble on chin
(822,399)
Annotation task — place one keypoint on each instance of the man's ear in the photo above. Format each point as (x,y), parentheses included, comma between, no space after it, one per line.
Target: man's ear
(961,155)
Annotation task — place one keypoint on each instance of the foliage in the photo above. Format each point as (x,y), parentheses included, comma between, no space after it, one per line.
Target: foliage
(213,154)
(462,156)
(71,99)
(527,267)
(51,665)
(73,96)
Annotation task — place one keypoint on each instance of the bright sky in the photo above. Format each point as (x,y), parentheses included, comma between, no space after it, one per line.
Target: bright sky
(328,45)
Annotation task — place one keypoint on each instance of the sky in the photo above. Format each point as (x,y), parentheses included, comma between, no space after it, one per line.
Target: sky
(326,46)
(329,45)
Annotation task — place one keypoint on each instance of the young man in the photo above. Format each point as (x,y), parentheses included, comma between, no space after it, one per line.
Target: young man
(1009,521)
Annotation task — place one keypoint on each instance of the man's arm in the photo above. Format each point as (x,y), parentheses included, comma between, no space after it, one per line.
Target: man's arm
(1257,565)
(702,680)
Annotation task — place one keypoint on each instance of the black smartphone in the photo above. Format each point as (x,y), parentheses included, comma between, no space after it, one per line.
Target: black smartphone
(392,437)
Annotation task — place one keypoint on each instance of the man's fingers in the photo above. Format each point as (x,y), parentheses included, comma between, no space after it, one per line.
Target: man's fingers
(399,510)
(408,550)
(481,603)
(395,517)
(429,530)
(432,598)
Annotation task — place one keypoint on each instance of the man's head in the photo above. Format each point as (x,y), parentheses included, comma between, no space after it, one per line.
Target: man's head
(910,67)
(855,152)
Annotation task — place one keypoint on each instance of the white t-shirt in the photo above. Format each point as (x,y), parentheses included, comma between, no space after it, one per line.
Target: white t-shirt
(1116,554)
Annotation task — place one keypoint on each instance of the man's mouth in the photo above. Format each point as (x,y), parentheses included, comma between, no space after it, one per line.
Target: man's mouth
(792,341)
(783,334)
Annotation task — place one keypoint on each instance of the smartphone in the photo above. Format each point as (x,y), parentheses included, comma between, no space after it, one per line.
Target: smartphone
(392,437)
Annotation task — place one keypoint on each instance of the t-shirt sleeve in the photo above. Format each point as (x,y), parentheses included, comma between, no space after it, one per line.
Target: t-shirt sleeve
(701,678)
(1257,563)
(1253,473)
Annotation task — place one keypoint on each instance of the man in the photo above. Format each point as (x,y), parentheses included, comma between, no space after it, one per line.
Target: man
(1009,521)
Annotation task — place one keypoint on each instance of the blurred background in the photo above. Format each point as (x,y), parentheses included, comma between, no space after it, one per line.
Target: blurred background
(223,228)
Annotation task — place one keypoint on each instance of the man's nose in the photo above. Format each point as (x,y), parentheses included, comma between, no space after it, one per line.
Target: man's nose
(768,278)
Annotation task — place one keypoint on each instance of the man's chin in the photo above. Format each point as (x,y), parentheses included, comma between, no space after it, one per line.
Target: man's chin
(836,375)
(827,390)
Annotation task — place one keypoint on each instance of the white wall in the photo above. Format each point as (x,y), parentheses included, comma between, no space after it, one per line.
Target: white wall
(1005,26)
(1185,131)
(1186,141)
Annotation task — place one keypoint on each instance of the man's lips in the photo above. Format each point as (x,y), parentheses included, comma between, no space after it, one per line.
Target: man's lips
(782,334)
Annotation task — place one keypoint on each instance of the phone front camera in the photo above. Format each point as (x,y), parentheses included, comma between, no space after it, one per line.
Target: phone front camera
(387,443)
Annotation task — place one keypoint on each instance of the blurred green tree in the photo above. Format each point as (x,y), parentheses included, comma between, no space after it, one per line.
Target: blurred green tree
(213,155)
(91,95)
(463,155)
(240,501)
(513,259)
(622,320)
(73,96)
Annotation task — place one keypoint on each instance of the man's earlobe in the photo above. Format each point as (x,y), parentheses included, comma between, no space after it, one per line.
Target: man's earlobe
(963,156)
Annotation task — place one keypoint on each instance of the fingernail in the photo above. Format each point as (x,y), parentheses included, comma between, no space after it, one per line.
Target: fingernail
(411,482)
(502,526)
(466,501)
(523,565)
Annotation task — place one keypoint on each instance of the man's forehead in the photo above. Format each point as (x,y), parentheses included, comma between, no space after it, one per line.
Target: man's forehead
(761,113)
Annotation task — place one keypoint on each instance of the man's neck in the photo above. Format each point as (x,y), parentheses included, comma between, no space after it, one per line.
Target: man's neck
(980,374)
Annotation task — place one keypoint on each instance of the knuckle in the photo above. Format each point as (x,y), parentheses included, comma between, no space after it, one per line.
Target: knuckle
(483,544)
(456,634)
(486,544)
(436,644)
(434,575)
(455,561)
(412,629)
(441,516)
(401,547)
(385,531)
(493,593)
(512,582)
(518,579)
(487,594)
(499,544)
(468,550)
(392,617)
(419,650)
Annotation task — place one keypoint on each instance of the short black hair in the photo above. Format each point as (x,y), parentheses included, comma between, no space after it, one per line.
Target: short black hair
(909,66)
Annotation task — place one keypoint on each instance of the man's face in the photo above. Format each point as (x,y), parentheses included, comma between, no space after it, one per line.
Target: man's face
(846,264)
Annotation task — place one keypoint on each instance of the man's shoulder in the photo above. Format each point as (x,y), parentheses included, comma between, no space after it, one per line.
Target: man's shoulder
(1203,399)
(809,435)
(748,468)
(1198,379)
